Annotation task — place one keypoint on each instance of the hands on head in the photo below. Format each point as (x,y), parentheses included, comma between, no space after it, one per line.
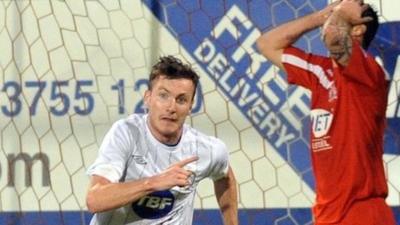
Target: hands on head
(351,11)
(174,175)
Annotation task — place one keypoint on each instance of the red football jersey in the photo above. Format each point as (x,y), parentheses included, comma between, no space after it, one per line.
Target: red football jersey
(348,106)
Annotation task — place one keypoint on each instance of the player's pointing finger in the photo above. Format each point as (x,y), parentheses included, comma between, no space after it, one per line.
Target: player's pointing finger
(187,161)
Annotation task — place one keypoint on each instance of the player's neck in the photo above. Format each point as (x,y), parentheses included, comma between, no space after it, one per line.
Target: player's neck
(170,140)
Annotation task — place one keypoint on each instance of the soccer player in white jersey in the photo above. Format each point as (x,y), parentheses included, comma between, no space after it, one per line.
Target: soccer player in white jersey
(149,165)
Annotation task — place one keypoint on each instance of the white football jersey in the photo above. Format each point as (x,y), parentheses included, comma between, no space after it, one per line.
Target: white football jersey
(130,152)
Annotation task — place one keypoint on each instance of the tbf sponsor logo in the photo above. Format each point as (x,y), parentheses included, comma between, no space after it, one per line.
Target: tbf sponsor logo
(155,202)
(155,205)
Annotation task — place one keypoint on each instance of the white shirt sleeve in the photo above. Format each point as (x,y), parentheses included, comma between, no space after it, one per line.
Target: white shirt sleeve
(220,160)
(114,153)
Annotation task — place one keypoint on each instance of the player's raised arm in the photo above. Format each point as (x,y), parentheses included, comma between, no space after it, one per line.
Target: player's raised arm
(272,43)
(104,195)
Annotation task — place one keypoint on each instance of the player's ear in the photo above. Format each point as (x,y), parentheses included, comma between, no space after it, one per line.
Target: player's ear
(146,98)
(358,30)
(190,110)
(191,105)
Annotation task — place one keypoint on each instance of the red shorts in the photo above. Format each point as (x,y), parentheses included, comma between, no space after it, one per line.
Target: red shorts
(369,212)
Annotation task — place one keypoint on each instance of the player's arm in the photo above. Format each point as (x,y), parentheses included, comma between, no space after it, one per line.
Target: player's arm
(338,30)
(272,43)
(226,193)
(104,195)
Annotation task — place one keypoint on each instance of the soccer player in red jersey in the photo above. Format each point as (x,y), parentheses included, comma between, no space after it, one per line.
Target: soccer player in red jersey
(348,105)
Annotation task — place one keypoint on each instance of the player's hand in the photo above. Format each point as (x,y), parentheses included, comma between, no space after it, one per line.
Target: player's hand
(175,175)
(351,11)
(327,11)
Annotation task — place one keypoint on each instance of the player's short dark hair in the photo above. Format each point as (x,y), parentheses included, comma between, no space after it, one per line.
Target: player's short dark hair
(372,26)
(173,68)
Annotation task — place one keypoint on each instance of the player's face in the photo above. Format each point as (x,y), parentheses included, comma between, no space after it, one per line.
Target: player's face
(336,40)
(169,102)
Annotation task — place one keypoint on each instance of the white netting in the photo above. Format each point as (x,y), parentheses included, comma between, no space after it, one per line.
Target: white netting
(69,69)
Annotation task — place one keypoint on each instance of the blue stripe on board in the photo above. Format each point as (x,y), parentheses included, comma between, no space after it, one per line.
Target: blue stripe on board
(291,216)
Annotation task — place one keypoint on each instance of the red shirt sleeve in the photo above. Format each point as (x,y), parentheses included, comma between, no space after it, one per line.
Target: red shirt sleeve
(303,68)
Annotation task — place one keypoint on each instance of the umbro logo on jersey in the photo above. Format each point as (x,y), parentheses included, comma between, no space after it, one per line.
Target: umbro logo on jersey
(139,159)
